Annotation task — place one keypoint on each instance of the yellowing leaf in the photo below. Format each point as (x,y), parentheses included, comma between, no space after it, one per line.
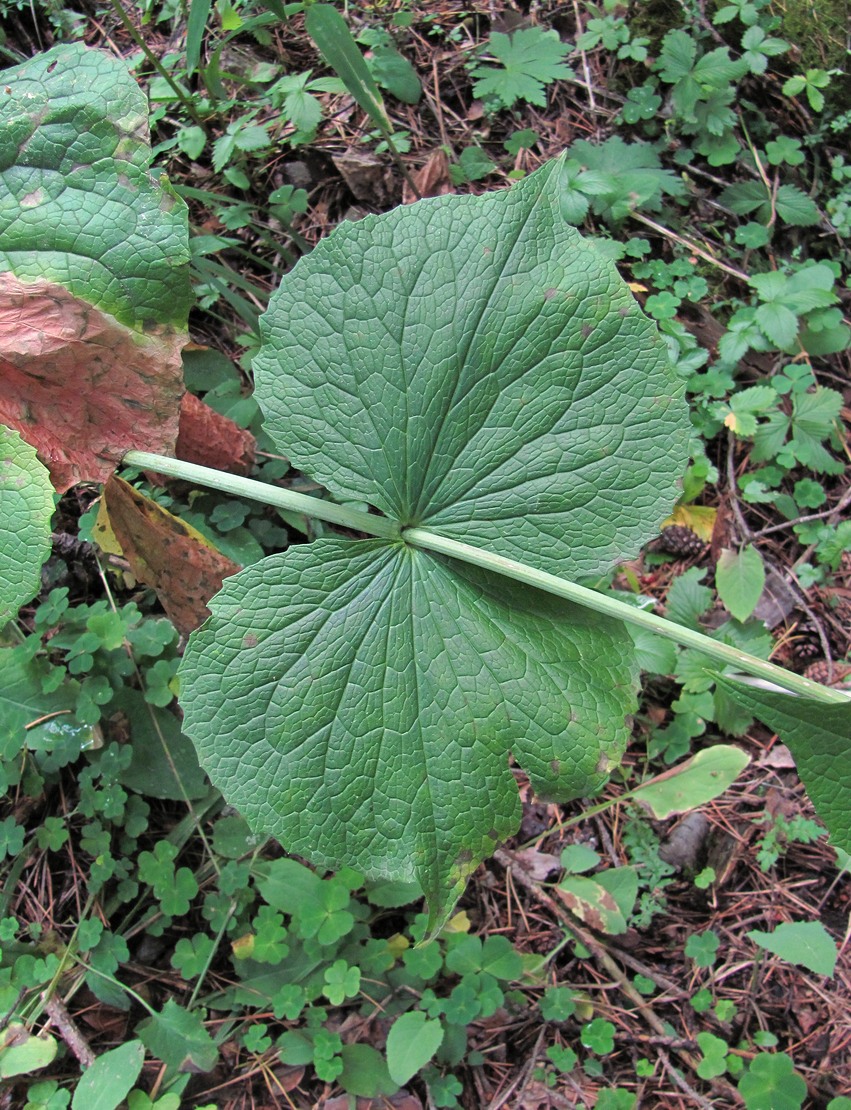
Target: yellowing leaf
(699,518)
(166,553)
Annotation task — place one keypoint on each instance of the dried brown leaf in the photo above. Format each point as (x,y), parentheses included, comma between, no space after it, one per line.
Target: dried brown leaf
(167,554)
(210,439)
(81,387)
(432,180)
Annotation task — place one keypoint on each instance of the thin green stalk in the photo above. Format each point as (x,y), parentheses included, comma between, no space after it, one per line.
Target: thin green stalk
(155,62)
(610,606)
(270,495)
(538,579)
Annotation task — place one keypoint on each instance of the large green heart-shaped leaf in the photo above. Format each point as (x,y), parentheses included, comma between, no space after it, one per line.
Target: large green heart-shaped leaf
(26,506)
(472,365)
(469,364)
(94,277)
(78,205)
(358,700)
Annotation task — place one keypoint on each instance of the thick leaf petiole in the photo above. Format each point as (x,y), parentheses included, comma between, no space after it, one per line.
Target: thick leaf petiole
(423,538)
(279,498)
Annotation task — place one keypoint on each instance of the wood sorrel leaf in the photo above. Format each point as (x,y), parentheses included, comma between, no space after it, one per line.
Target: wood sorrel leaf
(472,365)
(358,700)
(469,364)
(94,277)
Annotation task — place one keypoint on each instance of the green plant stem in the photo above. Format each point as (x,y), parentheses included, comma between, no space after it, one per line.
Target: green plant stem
(611,607)
(269,495)
(155,62)
(520,572)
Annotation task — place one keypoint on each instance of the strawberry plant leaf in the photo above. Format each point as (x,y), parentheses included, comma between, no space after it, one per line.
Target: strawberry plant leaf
(26,506)
(806,943)
(820,741)
(93,266)
(469,364)
(740,577)
(411,1043)
(358,701)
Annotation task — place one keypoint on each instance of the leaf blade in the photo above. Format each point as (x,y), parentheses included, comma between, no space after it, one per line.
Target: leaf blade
(334,40)
(460,350)
(368,722)
(818,738)
(26,507)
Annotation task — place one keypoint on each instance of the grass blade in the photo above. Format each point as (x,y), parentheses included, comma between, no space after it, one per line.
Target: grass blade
(199,13)
(334,40)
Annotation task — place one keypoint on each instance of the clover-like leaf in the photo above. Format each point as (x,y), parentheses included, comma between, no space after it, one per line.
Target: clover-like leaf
(26,506)
(93,266)
(473,366)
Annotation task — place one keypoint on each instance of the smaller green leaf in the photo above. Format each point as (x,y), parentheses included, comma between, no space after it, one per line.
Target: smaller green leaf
(819,737)
(740,577)
(412,1041)
(688,599)
(599,1036)
(795,207)
(528,60)
(806,943)
(328,30)
(558,1004)
(108,1081)
(778,323)
(164,763)
(365,1072)
(693,783)
(714,1051)
(771,1083)
(21,1052)
(178,1038)
(26,506)
(395,74)
(703,948)
(577,858)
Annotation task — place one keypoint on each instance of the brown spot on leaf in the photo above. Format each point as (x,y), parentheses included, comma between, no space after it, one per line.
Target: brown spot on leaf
(250,640)
(81,387)
(550,293)
(555,766)
(33,199)
(167,554)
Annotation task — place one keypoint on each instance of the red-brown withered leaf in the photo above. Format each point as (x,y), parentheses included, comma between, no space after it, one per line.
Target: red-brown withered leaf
(208,438)
(167,554)
(82,387)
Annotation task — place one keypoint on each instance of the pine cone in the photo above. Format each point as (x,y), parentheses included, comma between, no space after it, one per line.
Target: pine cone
(676,539)
(821,672)
(806,642)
